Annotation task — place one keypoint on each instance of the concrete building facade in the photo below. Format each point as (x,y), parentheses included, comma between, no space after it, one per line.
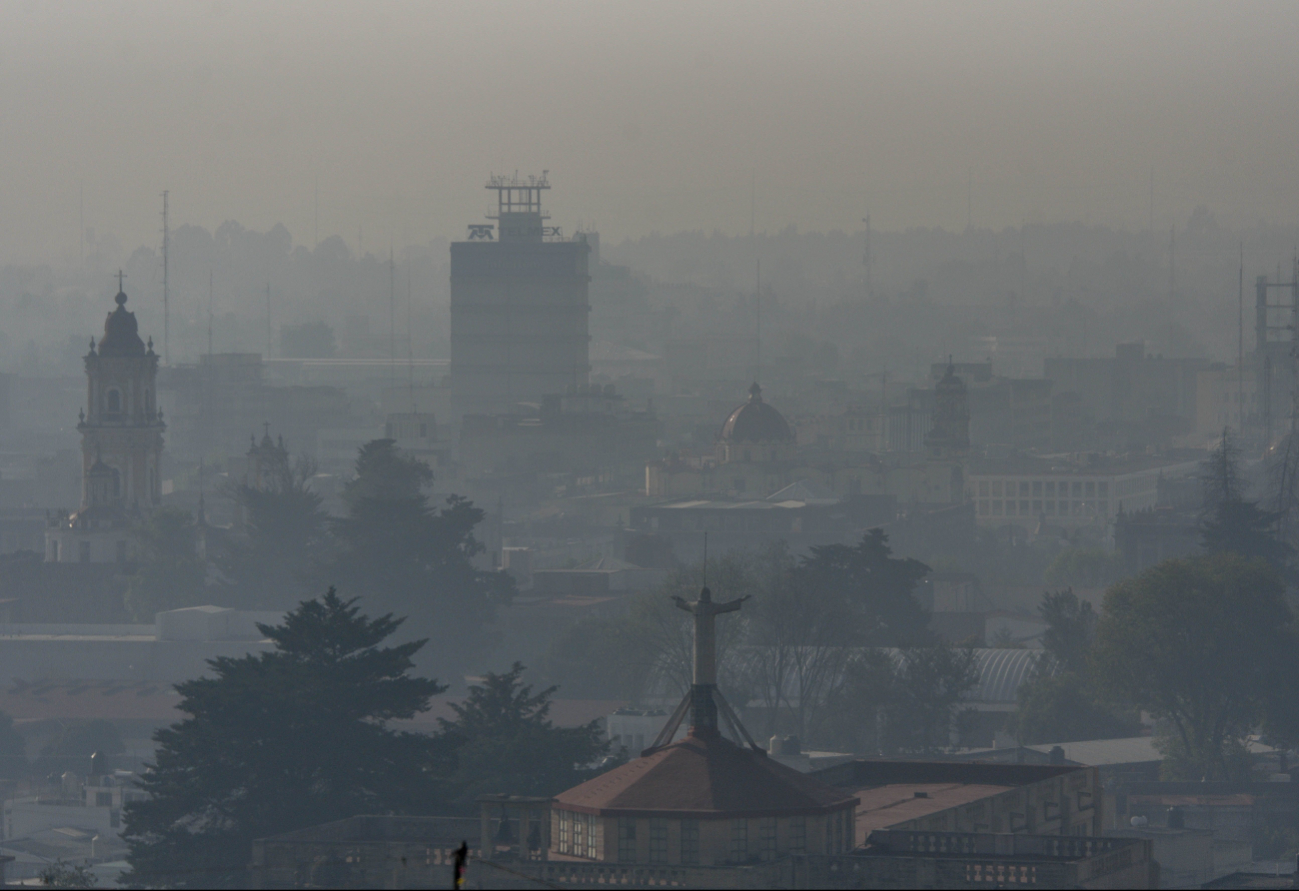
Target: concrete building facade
(520,306)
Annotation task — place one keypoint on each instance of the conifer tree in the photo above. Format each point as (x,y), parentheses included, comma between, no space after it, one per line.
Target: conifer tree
(282,740)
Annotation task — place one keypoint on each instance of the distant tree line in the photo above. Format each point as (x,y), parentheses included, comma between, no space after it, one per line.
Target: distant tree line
(392,546)
(834,648)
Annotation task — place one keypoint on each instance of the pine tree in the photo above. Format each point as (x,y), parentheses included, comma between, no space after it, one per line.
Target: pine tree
(283,740)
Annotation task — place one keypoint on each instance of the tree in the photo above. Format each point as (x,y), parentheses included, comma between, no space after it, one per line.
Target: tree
(1060,702)
(800,638)
(895,701)
(1198,643)
(1085,568)
(929,685)
(504,741)
(1229,523)
(1064,708)
(72,747)
(405,556)
(13,749)
(285,533)
(63,874)
(879,588)
(170,574)
(283,740)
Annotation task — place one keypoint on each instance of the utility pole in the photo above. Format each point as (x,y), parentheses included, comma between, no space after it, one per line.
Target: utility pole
(166,292)
(81,236)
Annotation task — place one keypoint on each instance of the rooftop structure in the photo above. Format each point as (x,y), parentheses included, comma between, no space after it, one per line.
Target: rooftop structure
(704,800)
(519,305)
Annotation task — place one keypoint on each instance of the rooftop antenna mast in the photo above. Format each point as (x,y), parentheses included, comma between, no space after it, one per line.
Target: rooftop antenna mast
(392,316)
(166,291)
(1240,340)
(209,312)
(866,259)
(757,287)
(410,339)
(268,320)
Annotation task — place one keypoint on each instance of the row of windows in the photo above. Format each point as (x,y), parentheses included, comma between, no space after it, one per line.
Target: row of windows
(1031,508)
(1044,488)
(577,834)
(739,849)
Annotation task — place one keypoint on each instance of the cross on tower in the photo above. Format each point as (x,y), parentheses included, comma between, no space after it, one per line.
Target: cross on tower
(121,276)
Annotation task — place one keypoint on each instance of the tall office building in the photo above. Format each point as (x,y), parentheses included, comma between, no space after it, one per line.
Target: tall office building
(519,305)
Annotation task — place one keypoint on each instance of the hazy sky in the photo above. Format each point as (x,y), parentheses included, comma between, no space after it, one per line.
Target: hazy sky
(653,116)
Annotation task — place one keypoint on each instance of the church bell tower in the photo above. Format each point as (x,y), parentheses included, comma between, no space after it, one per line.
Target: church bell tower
(121,447)
(122,426)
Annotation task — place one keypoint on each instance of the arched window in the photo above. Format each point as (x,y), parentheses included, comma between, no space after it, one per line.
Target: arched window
(114,401)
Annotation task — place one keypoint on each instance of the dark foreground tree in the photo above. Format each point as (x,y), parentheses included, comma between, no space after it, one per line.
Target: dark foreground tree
(504,741)
(282,740)
(1201,644)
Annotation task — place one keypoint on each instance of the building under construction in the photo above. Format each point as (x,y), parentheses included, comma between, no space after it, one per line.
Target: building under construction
(519,306)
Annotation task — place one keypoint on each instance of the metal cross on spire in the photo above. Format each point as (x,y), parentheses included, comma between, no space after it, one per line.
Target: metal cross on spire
(121,276)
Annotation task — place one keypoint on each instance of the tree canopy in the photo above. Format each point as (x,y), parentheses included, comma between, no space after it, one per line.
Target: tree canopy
(282,740)
(403,555)
(1199,644)
(504,741)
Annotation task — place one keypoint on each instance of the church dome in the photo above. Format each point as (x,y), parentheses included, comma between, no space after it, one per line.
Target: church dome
(121,332)
(756,421)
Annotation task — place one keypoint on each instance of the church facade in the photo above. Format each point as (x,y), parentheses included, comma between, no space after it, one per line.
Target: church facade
(121,447)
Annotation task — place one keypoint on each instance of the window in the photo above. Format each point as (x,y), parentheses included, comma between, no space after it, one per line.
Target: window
(739,841)
(1077,490)
(658,846)
(996,508)
(114,401)
(565,824)
(1091,490)
(1023,508)
(1037,489)
(798,835)
(591,823)
(983,490)
(1050,490)
(767,838)
(689,842)
(83,551)
(579,834)
(627,840)
(1024,489)
(996,489)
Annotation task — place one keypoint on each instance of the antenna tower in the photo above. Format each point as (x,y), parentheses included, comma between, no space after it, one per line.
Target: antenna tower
(166,290)
(392,316)
(866,258)
(209,312)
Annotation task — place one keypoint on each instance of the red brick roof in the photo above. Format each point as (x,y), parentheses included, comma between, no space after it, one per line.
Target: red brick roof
(704,776)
